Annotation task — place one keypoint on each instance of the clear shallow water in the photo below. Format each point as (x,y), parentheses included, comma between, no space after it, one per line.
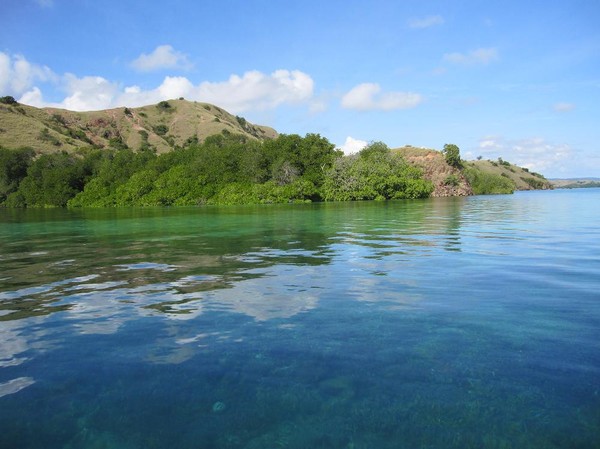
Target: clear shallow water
(445,323)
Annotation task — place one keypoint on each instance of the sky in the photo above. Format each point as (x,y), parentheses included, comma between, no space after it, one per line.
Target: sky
(512,79)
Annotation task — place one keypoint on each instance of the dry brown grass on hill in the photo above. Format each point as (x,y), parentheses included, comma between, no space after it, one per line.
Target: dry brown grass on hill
(164,126)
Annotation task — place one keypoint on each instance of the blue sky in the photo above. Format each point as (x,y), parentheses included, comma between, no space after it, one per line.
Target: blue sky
(512,79)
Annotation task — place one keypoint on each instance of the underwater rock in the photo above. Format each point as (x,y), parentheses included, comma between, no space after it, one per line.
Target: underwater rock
(218,407)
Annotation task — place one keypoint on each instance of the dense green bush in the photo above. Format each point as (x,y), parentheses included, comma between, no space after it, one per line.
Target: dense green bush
(161,130)
(164,106)
(452,155)
(13,168)
(8,100)
(224,169)
(51,181)
(374,174)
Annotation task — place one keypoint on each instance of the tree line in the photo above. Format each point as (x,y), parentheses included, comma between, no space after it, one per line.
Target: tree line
(224,169)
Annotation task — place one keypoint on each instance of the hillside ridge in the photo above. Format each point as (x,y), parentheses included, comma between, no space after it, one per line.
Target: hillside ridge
(162,127)
(460,181)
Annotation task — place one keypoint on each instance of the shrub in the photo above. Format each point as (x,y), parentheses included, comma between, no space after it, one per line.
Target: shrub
(117,143)
(534,183)
(45,136)
(161,130)
(451,180)
(241,121)
(8,100)
(59,119)
(452,154)
(164,106)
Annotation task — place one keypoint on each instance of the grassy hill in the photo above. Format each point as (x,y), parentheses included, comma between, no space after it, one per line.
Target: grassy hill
(522,178)
(476,177)
(162,126)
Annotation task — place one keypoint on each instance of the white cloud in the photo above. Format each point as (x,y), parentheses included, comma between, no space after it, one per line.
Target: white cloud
(425,22)
(563,107)
(352,145)
(88,93)
(17,75)
(480,56)
(533,153)
(163,57)
(253,90)
(368,96)
(256,90)
(488,143)
(33,98)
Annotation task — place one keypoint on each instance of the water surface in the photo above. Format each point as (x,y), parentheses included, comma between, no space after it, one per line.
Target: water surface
(442,323)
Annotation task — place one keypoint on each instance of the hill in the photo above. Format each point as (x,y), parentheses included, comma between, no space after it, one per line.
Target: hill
(522,178)
(575,183)
(476,177)
(163,126)
(447,180)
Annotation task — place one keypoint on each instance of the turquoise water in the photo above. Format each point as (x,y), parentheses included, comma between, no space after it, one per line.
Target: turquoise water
(443,323)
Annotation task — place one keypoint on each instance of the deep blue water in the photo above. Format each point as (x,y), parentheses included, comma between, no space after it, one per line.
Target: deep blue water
(443,323)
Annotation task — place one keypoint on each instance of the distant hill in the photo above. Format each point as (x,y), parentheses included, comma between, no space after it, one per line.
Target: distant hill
(575,183)
(162,126)
(451,181)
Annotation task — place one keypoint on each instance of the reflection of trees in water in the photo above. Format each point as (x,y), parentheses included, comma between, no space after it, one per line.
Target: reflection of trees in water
(184,254)
(400,227)
(206,249)
(105,268)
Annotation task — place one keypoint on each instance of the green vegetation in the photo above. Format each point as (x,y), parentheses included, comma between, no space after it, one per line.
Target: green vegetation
(452,155)
(520,178)
(224,169)
(374,174)
(161,129)
(13,168)
(8,100)
(45,136)
(232,168)
(451,180)
(534,183)
(164,106)
(187,153)
(52,179)
(486,183)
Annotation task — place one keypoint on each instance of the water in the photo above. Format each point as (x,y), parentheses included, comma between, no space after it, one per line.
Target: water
(444,323)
